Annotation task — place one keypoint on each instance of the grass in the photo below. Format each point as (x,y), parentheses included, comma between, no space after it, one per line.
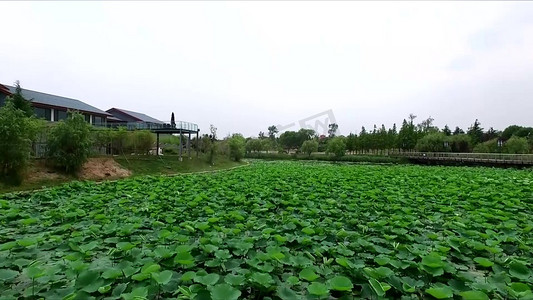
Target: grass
(170,164)
(138,165)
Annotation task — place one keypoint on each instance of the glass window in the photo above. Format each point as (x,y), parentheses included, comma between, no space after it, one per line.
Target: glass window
(43,113)
(87,118)
(98,120)
(60,115)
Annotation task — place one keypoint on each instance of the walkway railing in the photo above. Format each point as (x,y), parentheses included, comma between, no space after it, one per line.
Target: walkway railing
(501,158)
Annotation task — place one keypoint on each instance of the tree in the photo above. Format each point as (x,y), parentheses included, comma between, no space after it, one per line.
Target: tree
(17,131)
(261,135)
(213,131)
(458,131)
(309,147)
(337,146)
(267,144)
(333,127)
(364,139)
(172,121)
(392,137)
(272,131)
(508,132)
(407,136)
(446,130)
(427,125)
(516,145)
(289,140)
(412,118)
(19,102)
(254,145)
(490,134)
(460,143)
(351,142)
(69,142)
(432,142)
(237,146)
(475,132)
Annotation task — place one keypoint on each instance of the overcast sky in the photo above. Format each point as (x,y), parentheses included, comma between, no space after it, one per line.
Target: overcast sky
(243,66)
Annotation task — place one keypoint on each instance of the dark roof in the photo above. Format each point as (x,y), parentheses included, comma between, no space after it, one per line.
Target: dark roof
(114,119)
(139,116)
(58,101)
(4,90)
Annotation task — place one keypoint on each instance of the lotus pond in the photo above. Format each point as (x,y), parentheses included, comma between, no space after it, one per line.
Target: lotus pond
(275,230)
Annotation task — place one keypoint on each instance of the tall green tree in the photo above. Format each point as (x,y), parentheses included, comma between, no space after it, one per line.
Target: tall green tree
(309,147)
(407,137)
(458,131)
(237,146)
(17,131)
(475,132)
(272,131)
(337,146)
(351,142)
(333,127)
(392,137)
(19,102)
(446,130)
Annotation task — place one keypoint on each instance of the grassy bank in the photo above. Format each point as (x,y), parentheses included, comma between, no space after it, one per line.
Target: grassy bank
(138,165)
(322,157)
(170,164)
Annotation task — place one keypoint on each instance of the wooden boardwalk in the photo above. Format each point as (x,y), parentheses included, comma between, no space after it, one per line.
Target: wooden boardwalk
(491,159)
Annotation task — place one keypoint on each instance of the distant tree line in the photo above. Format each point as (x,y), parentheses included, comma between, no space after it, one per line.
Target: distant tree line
(411,136)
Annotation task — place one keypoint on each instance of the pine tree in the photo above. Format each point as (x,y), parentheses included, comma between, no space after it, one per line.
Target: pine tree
(19,102)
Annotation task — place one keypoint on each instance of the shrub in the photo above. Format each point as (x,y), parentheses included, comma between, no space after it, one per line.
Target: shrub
(69,143)
(16,134)
(101,138)
(119,140)
(516,145)
(142,141)
(237,146)
(490,146)
(309,147)
(337,146)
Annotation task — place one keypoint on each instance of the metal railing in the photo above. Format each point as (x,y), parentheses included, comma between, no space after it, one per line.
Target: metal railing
(473,157)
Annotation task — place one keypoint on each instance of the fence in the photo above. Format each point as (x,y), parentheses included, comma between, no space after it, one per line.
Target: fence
(498,158)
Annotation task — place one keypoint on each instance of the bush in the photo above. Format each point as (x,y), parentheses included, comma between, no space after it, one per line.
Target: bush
(16,134)
(120,139)
(337,146)
(237,147)
(142,141)
(516,145)
(490,146)
(309,147)
(101,138)
(69,143)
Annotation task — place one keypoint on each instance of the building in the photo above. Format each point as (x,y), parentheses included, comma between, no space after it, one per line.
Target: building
(132,120)
(54,108)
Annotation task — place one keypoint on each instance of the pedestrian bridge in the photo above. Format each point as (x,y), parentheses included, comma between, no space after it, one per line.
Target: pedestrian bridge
(489,159)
